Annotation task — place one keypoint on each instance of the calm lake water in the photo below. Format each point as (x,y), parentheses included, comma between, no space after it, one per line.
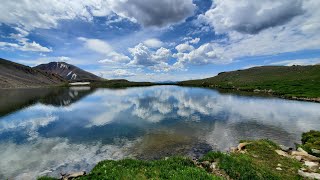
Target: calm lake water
(49,131)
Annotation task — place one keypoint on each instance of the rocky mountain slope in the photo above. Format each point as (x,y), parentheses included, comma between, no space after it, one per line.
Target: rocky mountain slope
(14,75)
(68,72)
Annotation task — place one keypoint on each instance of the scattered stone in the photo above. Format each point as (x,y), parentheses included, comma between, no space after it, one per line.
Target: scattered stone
(279,169)
(255,156)
(309,175)
(242,146)
(72,175)
(233,149)
(256,90)
(166,158)
(206,164)
(298,158)
(213,166)
(315,151)
(282,153)
(279,165)
(301,150)
(305,156)
(312,165)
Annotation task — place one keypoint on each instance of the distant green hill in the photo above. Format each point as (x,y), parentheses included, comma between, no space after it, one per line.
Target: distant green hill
(294,81)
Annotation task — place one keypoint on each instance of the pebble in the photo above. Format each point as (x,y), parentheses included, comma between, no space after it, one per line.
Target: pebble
(242,146)
(298,158)
(315,151)
(282,153)
(312,165)
(301,150)
(213,166)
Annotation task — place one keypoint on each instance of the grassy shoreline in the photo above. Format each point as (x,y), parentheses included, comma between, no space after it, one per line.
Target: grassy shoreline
(256,92)
(294,82)
(258,159)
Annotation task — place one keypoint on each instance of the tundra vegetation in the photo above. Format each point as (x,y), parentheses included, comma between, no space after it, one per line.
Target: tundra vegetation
(296,82)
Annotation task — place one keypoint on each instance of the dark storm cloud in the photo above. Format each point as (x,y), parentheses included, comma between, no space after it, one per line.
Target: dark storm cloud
(251,17)
(158,13)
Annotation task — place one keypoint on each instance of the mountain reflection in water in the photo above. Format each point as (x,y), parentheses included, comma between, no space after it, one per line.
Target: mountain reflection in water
(48,131)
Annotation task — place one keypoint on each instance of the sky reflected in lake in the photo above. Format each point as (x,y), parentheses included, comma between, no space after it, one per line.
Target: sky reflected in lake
(45,132)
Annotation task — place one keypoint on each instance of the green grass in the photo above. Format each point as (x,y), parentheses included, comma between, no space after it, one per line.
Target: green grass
(259,162)
(294,81)
(311,140)
(172,168)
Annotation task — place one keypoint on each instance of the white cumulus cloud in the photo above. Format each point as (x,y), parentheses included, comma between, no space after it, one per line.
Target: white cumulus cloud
(185,47)
(255,28)
(104,48)
(153,43)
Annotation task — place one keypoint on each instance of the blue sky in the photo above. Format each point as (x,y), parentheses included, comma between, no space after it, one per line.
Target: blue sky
(155,40)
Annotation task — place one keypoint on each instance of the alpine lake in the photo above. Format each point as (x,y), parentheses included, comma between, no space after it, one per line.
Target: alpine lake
(59,130)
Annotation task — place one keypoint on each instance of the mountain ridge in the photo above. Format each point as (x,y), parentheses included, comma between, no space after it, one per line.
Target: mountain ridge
(68,71)
(15,75)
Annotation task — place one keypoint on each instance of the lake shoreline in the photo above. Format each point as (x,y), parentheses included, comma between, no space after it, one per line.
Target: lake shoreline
(257,159)
(257,92)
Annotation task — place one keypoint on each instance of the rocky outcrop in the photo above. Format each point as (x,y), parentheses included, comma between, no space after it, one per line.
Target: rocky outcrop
(310,162)
(73,175)
(306,99)
(68,72)
(309,175)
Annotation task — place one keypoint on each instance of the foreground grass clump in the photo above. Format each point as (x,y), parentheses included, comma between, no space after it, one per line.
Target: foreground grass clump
(258,162)
(172,168)
(311,142)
